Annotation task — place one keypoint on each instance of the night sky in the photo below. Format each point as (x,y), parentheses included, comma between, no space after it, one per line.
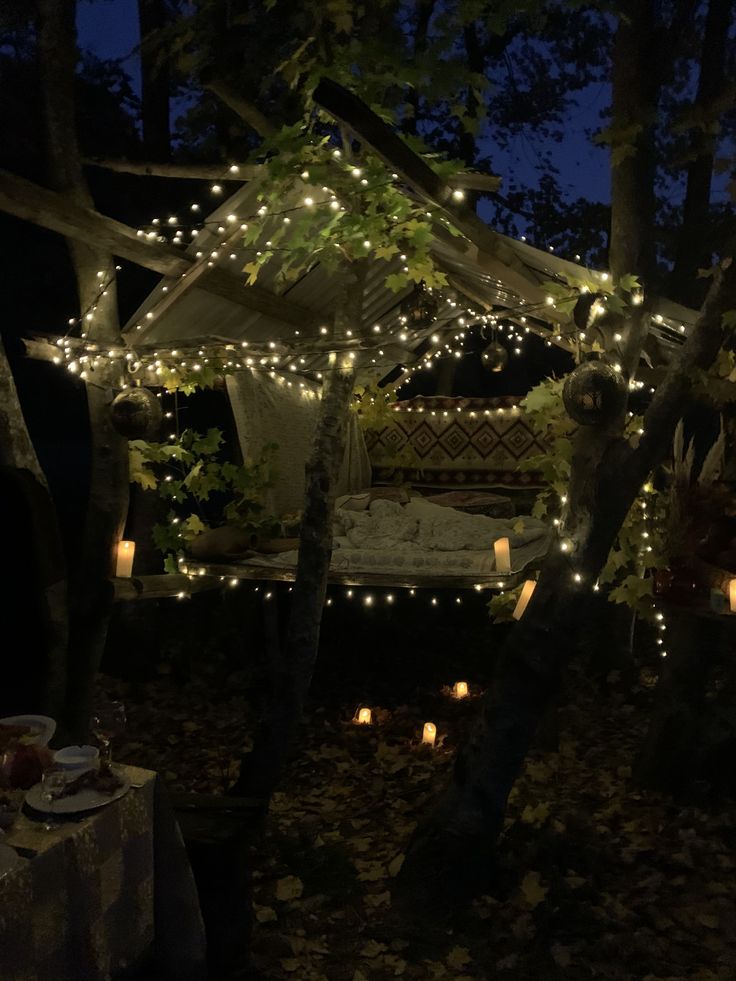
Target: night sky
(110,30)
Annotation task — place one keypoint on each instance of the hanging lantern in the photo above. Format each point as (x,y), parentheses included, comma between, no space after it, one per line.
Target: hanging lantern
(495,356)
(420,308)
(594,393)
(136,414)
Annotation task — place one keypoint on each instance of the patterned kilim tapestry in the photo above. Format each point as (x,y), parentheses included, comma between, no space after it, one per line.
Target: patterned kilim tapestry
(455,442)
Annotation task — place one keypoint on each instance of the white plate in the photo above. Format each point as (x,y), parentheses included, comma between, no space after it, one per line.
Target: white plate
(85,800)
(43,723)
(9,859)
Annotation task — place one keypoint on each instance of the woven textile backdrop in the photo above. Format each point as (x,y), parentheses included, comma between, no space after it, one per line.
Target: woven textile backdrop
(459,443)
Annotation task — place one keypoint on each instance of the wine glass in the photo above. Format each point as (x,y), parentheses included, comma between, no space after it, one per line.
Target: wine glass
(107,723)
(53,783)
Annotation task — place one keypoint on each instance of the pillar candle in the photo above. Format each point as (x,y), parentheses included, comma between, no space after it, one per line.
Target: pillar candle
(732,595)
(124,564)
(365,717)
(502,551)
(430,733)
(460,689)
(526,594)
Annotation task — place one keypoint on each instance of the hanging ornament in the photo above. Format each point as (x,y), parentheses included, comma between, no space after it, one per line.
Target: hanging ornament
(419,309)
(594,393)
(136,414)
(495,356)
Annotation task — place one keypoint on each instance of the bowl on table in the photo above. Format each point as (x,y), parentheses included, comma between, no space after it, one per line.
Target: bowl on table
(77,759)
(39,728)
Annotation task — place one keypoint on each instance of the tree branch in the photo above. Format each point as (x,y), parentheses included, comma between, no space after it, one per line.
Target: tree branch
(248,112)
(180,171)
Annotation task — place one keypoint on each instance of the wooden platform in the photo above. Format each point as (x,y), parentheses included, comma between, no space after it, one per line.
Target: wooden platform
(390,580)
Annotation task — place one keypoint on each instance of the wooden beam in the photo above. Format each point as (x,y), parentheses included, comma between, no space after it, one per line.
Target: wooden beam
(377,579)
(160,587)
(352,112)
(203,172)
(56,212)
(475,182)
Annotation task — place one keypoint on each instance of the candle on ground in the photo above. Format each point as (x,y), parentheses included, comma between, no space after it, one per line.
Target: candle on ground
(124,563)
(502,551)
(429,734)
(526,594)
(460,689)
(732,595)
(365,717)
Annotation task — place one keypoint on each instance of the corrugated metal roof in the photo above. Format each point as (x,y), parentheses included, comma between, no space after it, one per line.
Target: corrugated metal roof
(485,282)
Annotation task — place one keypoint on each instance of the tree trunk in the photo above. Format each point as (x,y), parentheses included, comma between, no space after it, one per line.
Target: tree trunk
(91,594)
(452,850)
(262,768)
(694,248)
(635,97)
(40,542)
(155,81)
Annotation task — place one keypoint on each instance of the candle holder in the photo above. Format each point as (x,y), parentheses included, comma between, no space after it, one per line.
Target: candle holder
(429,734)
(124,560)
(527,591)
(363,717)
(502,553)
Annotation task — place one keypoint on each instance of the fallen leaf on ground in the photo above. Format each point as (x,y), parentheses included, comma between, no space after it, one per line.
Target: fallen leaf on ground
(532,889)
(288,888)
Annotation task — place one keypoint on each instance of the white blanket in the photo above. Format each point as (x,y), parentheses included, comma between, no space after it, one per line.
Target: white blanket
(424,537)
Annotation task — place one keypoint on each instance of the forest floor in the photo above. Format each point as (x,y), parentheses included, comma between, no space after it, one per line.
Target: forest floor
(596,877)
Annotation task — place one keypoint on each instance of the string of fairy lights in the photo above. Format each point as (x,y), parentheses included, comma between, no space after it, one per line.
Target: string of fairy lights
(211,242)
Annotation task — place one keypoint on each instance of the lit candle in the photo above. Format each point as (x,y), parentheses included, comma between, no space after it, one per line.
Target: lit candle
(502,551)
(364,717)
(460,689)
(526,594)
(732,595)
(124,565)
(430,733)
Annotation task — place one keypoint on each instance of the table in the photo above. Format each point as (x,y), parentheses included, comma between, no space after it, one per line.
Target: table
(104,896)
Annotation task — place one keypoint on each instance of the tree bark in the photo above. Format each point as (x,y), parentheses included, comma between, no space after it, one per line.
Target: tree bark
(43,543)
(91,573)
(262,768)
(155,80)
(694,248)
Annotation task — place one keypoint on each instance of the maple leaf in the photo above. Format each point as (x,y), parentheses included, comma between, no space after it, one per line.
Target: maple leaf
(459,957)
(288,888)
(532,889)
(561,955)
(394,866)
(264,914)
(373,949)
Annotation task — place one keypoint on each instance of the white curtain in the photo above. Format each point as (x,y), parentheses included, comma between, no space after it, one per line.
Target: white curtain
(267,410)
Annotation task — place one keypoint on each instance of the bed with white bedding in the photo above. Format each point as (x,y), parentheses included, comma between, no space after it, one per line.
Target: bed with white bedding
(418,540)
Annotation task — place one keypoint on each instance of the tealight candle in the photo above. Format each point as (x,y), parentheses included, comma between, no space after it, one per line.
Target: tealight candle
(429,734)
(364,717)
(732,595)
(460,689)
(526,594)
(502,551)
(125,555)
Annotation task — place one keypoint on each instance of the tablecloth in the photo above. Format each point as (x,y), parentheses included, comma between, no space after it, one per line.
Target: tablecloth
(104,896)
